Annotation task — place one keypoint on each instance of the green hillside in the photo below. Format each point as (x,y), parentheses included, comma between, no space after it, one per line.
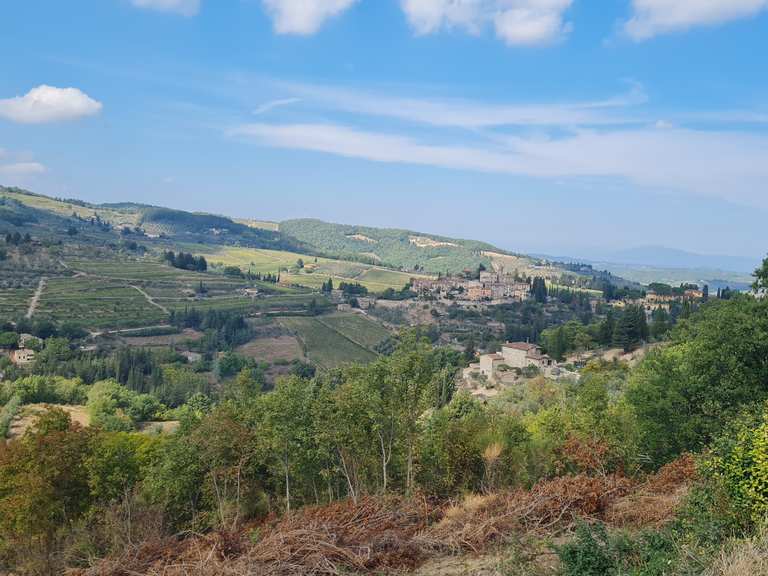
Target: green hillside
(403,249)
(20,207)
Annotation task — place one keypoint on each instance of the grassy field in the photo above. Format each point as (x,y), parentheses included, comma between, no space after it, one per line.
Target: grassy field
(261,224)
(29,413)
(316,270)
(356,327)
(325,346)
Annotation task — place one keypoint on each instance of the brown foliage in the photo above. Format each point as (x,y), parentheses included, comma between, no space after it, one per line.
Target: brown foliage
(653,503)
(374,535)
(583,456)
(391,534)
(551,505)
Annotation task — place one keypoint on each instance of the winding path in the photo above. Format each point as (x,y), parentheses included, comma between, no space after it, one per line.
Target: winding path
(150,299)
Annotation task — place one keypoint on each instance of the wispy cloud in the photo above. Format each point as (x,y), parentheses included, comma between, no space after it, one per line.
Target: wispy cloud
(11,165)
(21,169)
(653,17)
(183,7)
(729,164)
(469,114)
(272,104)
(49,104)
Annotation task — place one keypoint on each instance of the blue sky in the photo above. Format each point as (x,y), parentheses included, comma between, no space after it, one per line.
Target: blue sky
(562,126)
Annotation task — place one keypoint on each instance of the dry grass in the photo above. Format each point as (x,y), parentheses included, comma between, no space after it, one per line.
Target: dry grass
(29,414)
(746,558)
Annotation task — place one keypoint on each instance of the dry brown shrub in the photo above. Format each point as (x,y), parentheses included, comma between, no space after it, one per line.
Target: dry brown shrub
(552,505)
(582,456)
(376,534)
(654,502)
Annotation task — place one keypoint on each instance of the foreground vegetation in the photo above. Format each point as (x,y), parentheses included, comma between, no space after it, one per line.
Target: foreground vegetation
(388,444)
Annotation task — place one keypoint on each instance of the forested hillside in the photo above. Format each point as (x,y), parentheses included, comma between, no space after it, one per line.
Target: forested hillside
(390,247)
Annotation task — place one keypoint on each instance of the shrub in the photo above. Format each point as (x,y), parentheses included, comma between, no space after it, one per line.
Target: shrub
(596,552)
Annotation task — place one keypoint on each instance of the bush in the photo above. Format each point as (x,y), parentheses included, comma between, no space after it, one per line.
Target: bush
(596,552)
(116,408)
(740,462)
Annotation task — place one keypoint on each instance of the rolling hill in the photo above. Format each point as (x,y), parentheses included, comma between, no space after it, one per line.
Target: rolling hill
(378,258)
(401,249)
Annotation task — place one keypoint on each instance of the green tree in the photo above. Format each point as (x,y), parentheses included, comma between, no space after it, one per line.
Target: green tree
(43,490)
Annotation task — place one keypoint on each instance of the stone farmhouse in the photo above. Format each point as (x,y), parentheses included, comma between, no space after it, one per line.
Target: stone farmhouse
(513,355)
(23,356)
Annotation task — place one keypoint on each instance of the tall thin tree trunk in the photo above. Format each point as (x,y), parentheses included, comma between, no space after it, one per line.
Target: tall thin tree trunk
(347,474)
(287,485)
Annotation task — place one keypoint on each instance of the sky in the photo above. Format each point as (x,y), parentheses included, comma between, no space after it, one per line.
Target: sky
(568,127)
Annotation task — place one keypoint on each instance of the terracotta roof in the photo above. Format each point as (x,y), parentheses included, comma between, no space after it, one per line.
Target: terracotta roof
(524,346)
(495,356)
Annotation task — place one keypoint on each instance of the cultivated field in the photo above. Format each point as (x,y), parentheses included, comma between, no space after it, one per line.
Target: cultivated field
(97,303)
(162,340)
(358,328)
(14,302)
(324,345)
(314,273)
(274,348)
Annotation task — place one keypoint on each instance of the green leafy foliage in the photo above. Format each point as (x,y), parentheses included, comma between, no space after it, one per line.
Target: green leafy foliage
(685,393)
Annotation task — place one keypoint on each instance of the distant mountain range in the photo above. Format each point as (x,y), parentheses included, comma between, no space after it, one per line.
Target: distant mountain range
(664,257)
(647,264)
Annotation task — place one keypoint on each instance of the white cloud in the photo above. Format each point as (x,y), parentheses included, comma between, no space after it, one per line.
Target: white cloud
(12,167)
(272,104)
(183,7)
(469,114)
(48,104)
(344,141)
(303,17)
(517,22)
(729,164)
(653,17)
(21,169)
